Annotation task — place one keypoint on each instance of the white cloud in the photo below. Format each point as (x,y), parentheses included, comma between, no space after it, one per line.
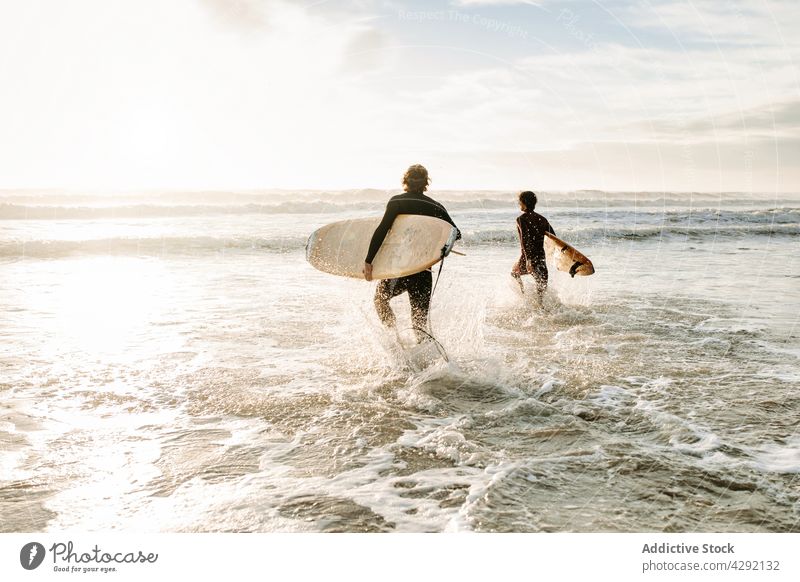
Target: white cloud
(150,93)
(466,3)
(742,22)
(248,14)
(180,95)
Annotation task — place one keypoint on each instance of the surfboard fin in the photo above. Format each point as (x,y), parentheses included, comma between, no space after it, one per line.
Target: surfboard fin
(451,240)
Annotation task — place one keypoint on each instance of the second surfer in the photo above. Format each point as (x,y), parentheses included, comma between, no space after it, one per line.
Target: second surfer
(531,227)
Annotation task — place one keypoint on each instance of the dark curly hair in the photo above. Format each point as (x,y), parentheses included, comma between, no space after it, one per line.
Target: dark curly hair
(528,198)
(416,179)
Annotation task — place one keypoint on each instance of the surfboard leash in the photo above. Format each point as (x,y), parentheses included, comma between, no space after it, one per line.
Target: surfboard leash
(435,283)
(429,332)
(437,343)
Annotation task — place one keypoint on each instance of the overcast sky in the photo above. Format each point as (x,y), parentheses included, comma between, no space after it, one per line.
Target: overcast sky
(558,95)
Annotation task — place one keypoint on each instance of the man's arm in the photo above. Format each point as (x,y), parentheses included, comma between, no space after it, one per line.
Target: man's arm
(383,229)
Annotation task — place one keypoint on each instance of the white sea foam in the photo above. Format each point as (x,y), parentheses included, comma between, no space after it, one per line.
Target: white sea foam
(613,397)
(492,474)
(778,458)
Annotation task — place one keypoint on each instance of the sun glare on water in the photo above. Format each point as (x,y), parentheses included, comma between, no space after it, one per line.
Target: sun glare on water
(104,305)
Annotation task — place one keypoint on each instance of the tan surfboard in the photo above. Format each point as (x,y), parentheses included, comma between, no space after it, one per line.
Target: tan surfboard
(567,258)
(413,244)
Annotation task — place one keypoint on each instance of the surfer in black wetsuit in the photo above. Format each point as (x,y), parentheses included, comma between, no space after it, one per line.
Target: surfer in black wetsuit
(418,285)
(531,227)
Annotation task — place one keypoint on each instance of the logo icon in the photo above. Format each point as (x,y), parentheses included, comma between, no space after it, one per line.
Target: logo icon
(31,555)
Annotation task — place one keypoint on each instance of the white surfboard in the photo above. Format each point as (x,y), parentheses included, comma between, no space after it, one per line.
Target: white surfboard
(413,244)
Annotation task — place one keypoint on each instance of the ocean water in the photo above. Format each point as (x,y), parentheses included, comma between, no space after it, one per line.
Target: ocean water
(170,362)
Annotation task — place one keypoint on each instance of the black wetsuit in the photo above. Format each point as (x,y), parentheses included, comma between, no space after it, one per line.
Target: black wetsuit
(531,227)
(417,285)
